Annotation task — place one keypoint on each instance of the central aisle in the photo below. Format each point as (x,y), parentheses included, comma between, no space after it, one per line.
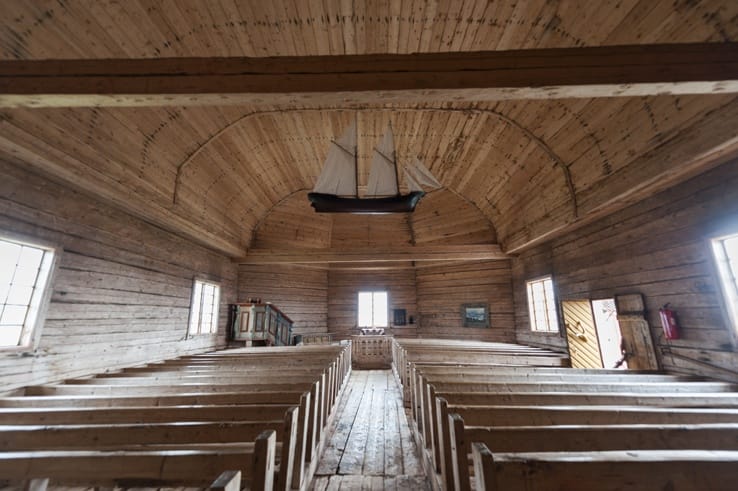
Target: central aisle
(371,447)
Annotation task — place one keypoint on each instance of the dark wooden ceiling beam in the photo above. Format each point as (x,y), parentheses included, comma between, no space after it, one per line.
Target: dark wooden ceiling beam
(377,255)
(608,71)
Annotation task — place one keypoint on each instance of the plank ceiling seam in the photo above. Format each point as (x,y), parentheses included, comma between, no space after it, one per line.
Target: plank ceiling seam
(298,28)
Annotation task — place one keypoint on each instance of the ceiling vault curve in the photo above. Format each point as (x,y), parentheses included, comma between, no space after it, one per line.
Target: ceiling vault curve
(540,143)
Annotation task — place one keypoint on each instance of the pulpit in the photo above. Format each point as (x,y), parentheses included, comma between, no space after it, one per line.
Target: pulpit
(258,324)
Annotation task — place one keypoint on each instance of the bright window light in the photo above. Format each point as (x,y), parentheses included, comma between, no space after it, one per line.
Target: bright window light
(373,309)
(24,274)
(542,305)
(726,256)
(204,309)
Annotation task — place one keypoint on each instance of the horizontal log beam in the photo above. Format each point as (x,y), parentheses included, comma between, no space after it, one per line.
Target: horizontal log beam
(374,255)
(606,71)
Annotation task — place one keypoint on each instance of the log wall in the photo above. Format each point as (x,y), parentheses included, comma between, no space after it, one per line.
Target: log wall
(443,289)
(122,290)
(300,292)
(660,248)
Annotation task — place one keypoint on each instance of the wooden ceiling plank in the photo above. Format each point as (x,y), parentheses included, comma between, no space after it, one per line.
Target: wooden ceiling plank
(546,73)
(648,175)
(474,24)
(374,254)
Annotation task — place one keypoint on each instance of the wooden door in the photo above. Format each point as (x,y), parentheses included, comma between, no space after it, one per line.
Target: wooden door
(581,333)
(636,332)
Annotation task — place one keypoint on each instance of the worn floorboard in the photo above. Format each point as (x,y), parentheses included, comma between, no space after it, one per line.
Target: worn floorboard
(370,446)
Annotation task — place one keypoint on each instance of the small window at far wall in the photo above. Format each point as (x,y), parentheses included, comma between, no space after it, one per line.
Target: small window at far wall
(373,309)
(726,255)
(542,305)
(204,309)
(24,274)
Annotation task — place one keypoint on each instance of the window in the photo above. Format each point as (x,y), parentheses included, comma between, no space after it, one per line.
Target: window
(204,309)
(726,255)
(542,305)
(373,309)
(24,275)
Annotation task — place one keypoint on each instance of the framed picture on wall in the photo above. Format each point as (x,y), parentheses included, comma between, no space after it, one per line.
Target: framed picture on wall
(475,315)
(398,317)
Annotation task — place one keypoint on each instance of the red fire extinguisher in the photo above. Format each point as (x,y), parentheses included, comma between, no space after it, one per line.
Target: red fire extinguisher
(668,322)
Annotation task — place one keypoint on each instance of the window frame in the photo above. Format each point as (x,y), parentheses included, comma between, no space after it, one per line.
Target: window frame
(216,305)
(358,307)
(31,334)
(728,296)
(554,307)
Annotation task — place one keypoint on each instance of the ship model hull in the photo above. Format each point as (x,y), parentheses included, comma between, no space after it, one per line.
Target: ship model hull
(330,203)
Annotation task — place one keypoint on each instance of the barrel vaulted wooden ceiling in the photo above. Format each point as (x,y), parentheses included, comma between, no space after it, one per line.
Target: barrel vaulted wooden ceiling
(233,176)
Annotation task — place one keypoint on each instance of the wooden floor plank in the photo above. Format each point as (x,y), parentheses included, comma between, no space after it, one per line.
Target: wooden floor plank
(343,422)
(352,460)
(320,483)
(392,445)
(370,446)
(411,464)
(390,484)
(374,450)
(334,484)
(350,483)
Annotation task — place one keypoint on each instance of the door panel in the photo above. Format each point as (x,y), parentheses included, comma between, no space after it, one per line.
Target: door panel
(636,332)
(584,349)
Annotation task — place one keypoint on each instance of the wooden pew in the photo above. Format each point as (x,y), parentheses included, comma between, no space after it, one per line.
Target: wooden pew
(406,351)
(683,470)
(188,399)
(584,437)
(15,438)
(709,399)
(145,467)
(452,454)
(322,405)
(496,381)
(218,399)
(106,428)
(581,407)
(441,427)
(227,481)
(239,387)
(422,402)
(315,412)
(425,415)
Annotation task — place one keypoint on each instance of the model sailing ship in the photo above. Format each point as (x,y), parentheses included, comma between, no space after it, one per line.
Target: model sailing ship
(337,189)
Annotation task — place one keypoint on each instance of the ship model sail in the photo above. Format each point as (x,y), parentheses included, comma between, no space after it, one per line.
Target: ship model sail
(337,191)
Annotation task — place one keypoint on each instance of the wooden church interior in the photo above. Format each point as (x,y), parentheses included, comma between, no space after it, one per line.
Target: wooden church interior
(156,159)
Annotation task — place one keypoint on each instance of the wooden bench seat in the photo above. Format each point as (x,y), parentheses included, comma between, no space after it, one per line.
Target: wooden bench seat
(315,412)
(127,435)
(214,403)
(247,412)
(107,427)
(642,470)
(323,395)
(170,378)
(583,437)
(197,399)
(667,399)
(145,467)
(406,351)
(529,416)
(517,402)
(424,412)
